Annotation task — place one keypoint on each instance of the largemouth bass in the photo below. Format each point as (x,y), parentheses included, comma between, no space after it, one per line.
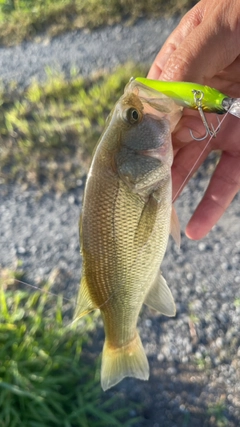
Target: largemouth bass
(125,224)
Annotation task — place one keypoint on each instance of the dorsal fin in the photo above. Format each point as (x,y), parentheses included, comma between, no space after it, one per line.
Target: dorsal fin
(175,227)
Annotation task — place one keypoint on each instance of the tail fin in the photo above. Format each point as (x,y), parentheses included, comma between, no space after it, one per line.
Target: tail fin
(127,361)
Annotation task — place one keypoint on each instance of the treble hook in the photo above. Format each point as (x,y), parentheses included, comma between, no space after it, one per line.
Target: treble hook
(198,96)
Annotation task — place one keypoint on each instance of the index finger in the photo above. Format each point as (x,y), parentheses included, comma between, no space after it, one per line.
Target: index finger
(224,185)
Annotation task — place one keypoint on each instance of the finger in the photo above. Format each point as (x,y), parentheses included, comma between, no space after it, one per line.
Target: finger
(231,72)
(186,25)
(160,60)
(186,162)
(190,124)
(223,186)
(227,87)
(228,136)
(200,56)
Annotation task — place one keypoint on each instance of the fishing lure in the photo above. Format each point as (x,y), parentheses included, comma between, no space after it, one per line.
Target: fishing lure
(205,99)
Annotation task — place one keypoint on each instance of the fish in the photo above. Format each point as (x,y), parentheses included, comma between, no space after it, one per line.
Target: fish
(126,219)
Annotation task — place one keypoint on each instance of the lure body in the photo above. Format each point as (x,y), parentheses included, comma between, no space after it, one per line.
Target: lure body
(186,95)
(205,99)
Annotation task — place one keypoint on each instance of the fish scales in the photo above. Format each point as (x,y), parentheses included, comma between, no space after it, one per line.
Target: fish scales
(125,224)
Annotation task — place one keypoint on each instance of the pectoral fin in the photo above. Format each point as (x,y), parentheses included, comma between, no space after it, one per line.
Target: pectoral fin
(84,303)
(160,297)
(175,227)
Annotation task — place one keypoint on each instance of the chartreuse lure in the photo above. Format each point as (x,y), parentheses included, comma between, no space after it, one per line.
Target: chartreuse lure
(205,99)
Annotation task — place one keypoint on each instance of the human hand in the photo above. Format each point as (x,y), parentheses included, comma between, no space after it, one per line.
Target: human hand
(204,48)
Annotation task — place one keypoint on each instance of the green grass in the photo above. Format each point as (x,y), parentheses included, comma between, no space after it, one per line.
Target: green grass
(236,302)
(216,411)
(48,131)
(23,19)
(45,380)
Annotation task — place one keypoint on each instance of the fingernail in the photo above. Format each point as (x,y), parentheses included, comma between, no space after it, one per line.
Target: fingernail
(154,73)
(159,63)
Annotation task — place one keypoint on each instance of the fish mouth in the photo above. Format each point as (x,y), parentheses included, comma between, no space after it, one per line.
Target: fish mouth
(157,100)
(156,104)
(157,153)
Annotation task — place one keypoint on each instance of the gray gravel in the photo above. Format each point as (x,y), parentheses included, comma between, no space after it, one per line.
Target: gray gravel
(84,51)
(204,276)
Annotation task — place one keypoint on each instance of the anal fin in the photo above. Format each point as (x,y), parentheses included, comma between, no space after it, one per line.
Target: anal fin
(160,297)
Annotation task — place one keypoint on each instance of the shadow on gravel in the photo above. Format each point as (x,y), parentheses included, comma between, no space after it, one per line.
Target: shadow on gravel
(176,395)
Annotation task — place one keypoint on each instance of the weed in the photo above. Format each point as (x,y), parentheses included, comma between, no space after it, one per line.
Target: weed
(216,412)
(236,302)
(55,126)
(44,378)
(23,19)
(203,361)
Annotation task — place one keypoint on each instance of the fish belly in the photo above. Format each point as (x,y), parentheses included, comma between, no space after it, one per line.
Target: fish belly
(123,243)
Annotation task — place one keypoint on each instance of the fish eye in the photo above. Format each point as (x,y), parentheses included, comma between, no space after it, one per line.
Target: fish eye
(132,115)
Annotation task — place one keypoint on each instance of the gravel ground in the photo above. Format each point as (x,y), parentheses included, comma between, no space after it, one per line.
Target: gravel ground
(84,51)
(195,357)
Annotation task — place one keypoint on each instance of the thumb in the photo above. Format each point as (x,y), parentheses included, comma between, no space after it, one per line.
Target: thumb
(191,20)
(208,48)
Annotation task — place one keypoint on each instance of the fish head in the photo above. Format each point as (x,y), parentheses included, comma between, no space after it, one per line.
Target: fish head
(144,156)
(159,104)
(144,131)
